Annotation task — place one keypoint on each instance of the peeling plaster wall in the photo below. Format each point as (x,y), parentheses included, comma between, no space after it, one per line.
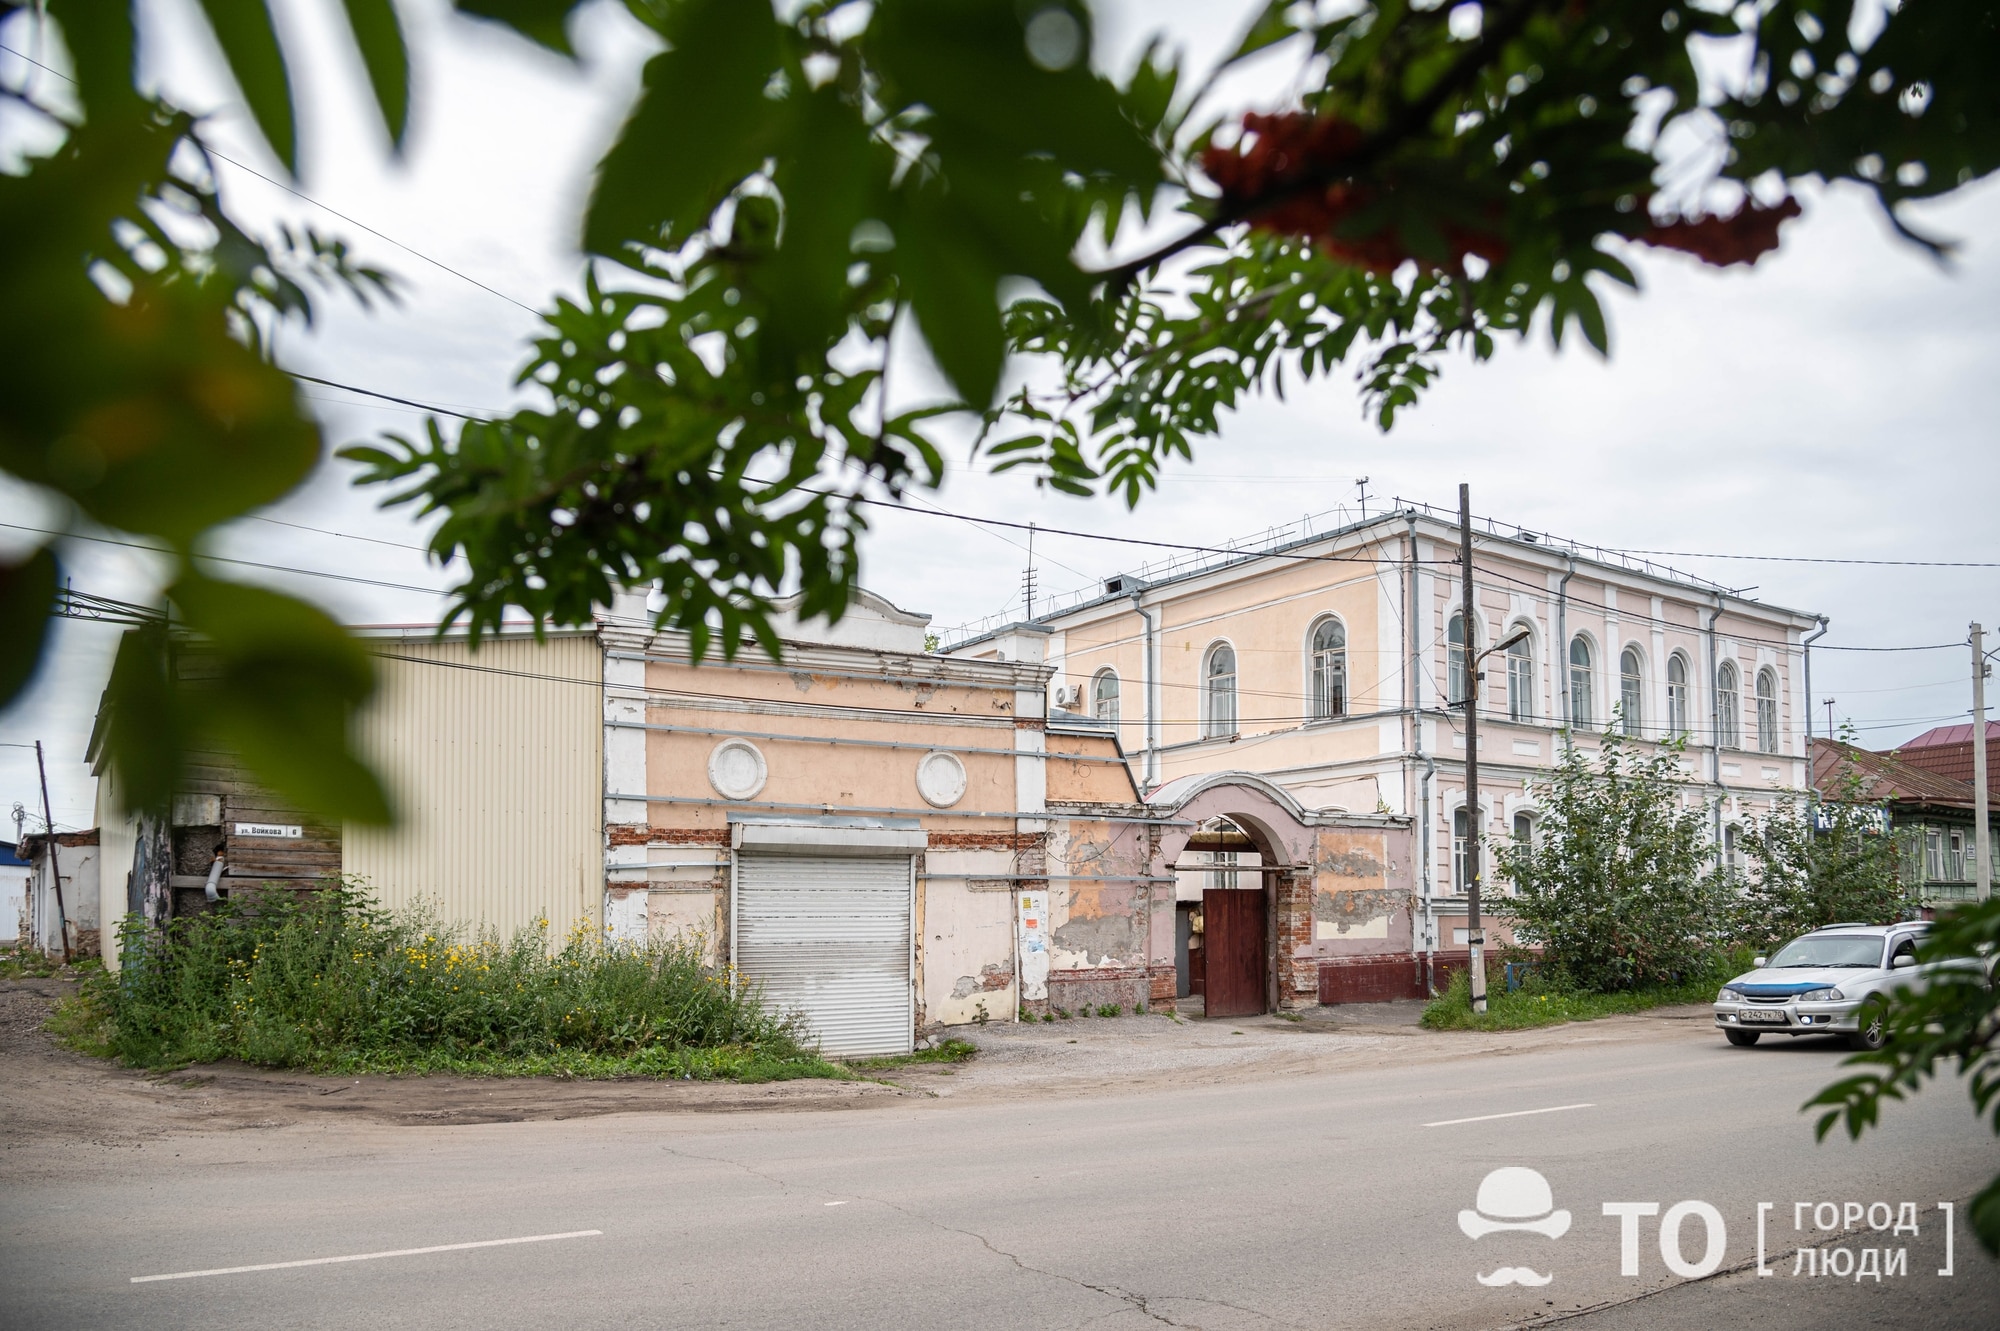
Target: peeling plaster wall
(968,953)
(1362,897)
(1110,927)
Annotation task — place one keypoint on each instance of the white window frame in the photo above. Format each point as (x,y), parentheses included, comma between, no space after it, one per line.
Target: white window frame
(1319,705)
(1729,706)
(1582,714)
(1678,696)
(1521,677)
(1632,691)
(1098,700)
(1768,738)
(1214,724)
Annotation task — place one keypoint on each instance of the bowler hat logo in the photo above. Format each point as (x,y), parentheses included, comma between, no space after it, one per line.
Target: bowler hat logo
(1514,1200)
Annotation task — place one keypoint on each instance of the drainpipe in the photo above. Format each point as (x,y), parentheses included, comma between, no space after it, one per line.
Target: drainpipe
(1151,688)
(1812,781)
(1715,726)
(1560,665)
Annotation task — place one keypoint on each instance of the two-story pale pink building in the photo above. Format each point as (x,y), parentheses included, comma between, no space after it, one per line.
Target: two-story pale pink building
(1327,660)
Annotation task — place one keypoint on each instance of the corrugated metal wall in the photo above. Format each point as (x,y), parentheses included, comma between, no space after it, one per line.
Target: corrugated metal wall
(497,771)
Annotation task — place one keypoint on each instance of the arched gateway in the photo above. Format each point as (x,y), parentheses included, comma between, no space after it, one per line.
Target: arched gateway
(1302,907)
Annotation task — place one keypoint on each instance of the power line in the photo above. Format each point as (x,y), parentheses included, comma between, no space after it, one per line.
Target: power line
(224,559)
(1811,559)
(344,535)
(212,151)
(389,397)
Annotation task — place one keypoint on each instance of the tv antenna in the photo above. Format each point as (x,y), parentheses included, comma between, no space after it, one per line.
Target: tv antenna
(1028,576)
(1361,484)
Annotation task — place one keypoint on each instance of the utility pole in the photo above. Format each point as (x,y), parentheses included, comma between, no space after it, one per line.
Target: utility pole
(1475,937)
(55,865)
(1982,836)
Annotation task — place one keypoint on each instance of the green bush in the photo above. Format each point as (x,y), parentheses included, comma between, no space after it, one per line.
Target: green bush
(1618,888)
(330,983)
(1805,880)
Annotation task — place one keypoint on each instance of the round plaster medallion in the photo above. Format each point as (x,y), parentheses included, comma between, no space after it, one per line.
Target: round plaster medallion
(736,769)
(940,779)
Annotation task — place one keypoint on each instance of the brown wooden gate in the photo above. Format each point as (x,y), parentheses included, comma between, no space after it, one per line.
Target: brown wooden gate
(1233,944)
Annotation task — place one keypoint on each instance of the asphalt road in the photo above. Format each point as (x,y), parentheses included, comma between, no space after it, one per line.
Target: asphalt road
(1317,1200)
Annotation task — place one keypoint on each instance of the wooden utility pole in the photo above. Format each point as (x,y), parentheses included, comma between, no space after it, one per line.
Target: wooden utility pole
(55,864)
(1475,937)
(1982,836)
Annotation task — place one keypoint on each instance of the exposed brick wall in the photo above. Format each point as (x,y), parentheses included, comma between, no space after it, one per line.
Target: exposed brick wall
(645,834)
(1073,990)
(1298,974)
(1016,841)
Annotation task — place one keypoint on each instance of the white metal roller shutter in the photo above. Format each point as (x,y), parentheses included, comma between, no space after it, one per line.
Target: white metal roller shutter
(830,936)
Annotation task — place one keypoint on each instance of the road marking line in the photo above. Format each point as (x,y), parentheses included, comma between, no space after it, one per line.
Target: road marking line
(836,1203)
(1518,1113)
(371,1256)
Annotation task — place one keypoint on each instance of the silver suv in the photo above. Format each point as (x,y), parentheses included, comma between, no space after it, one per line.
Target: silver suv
(1831,981)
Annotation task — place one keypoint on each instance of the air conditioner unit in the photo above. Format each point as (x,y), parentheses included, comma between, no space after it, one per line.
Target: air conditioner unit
(1069,695)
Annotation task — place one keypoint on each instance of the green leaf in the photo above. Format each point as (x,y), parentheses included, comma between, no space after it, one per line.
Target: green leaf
(954,290)
(27,595)
(277,681)
(380,36)
(145,726)
(539,21)
(250,45)
(830,174)
(701,125)
(1267,29)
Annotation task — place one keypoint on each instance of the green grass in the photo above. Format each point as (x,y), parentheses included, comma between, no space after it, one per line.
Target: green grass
(27,963)
(333,985)
(1545,1002)
(950,1051)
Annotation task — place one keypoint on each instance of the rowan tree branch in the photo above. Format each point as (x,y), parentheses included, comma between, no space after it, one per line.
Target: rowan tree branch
(1506,24)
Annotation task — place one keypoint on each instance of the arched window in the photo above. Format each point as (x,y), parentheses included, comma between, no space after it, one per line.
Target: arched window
(1580,717)
(1767,711)
(1219,692)
(1104,696)
(1455,680)
(1732,850)
(1524,830)
(1728,706)
(1677,695)
(1521,681)
(1631,693)
(1329,670)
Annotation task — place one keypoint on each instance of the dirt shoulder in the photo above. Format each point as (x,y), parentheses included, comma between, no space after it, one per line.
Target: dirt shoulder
(50,1096)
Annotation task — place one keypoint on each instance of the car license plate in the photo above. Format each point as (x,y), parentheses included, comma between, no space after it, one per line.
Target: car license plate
(1765,1016)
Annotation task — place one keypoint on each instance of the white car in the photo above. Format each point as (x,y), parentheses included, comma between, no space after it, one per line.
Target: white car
(1832,981)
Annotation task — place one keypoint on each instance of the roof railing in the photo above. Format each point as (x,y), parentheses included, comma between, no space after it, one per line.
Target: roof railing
(1275,539)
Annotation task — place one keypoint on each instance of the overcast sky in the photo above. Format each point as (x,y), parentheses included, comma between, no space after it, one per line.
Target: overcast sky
(1838,401)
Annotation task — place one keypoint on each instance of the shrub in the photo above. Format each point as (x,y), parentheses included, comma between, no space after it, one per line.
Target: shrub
(330,982)
(1805,879)
(1618,889)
